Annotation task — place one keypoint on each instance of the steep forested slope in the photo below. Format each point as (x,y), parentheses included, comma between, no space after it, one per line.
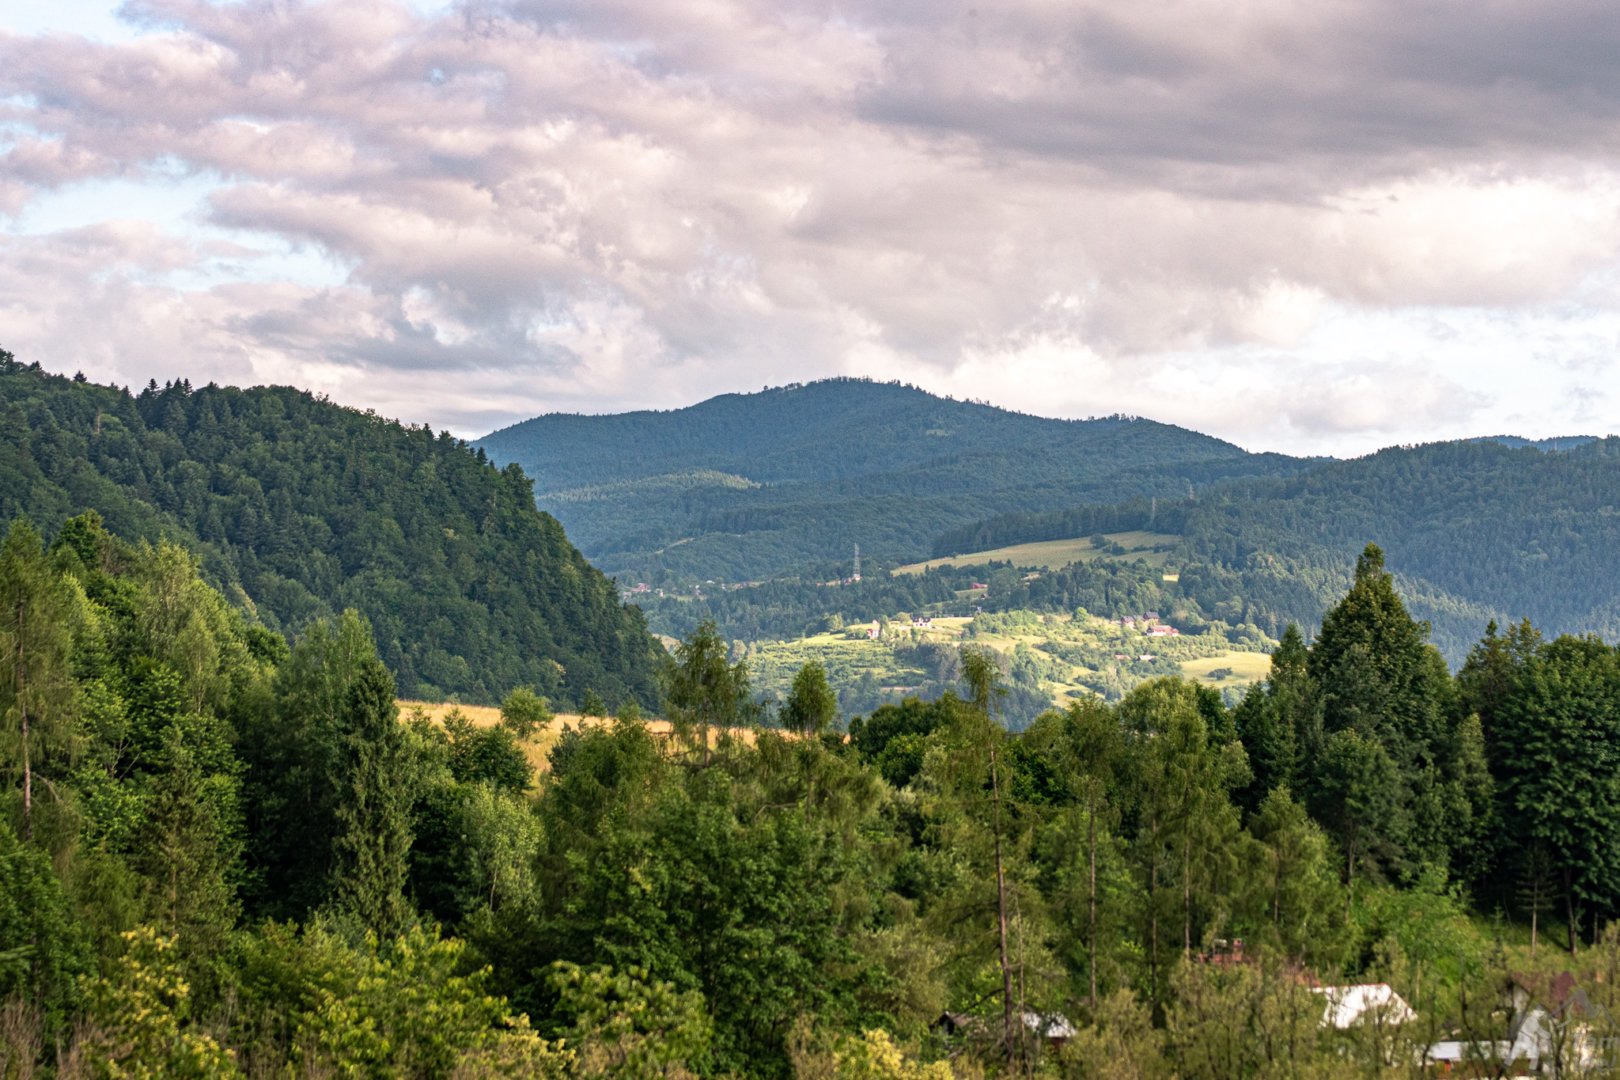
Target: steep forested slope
(750,485)
(300,508)
(1476,530)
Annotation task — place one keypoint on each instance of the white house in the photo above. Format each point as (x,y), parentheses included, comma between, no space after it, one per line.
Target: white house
(1346,1006)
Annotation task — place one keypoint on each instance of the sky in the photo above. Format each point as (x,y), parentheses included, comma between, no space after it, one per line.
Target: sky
(1316,227)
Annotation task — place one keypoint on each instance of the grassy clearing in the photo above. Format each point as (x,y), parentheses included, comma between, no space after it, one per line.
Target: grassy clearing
(537,748)
(1245,667)
(1056,554)
(1061,657)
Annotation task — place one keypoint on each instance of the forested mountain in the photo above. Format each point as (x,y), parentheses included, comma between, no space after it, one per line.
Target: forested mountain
(224,855)
(1476,530)
(299,508)
(748,486)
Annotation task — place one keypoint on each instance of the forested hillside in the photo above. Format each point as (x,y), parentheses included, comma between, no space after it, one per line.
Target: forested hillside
(751,486)
(299,509)
(1478,529)
(224,854)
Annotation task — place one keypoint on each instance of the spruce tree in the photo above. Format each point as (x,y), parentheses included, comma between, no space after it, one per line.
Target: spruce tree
(1379,679)
(187,848)
(372,849)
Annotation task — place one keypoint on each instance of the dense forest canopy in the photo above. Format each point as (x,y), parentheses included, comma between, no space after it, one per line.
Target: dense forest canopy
(751,486)
(225,854)
(1480,530)
(299,508)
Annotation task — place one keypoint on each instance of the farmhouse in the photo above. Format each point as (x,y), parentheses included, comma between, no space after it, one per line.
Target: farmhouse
(1053,1029)
(1346,1006)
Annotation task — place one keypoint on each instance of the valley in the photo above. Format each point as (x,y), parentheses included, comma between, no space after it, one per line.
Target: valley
(254,652)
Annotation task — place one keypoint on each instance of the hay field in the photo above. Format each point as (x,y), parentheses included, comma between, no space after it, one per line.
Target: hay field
(537,747)
(1247,667)
(1056,554)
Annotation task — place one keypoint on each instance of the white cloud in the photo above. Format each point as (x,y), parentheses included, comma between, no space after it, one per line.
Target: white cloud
(1302,226)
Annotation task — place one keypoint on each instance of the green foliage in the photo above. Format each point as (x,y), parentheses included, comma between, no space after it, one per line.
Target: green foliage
(488,755)
(1296,882)
(43,950)
(301,509)
(37,692)
(143,1023)
(1249,1020)
(872,1055)
(829,464)
(409,1006)
(1551,746)
(624,1023)
(1120,1043)
(706,691)
(768,904)
(294,751)
(371,848)
(811,707)
(523,711)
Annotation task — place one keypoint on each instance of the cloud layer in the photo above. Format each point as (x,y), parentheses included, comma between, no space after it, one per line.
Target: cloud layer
(1319,227)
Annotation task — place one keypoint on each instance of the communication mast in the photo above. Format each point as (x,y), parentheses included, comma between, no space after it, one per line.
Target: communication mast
(856,576)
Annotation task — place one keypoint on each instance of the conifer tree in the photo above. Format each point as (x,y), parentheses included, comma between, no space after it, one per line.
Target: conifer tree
(294,753)
(373,843)
(187,848)
(1381,680)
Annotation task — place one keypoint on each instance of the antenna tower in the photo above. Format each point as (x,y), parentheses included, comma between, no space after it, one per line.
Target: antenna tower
(857,575)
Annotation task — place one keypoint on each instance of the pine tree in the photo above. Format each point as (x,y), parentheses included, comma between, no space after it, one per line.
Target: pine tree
(296,772)
(187,848)
(982,675)
(1381,680)
(373,843)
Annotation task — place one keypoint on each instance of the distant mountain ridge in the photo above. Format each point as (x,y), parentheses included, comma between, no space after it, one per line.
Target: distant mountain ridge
(299,508)
(1555,444)
(750,485)
(1477,529)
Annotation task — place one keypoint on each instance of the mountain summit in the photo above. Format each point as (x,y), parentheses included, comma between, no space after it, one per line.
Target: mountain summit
(749,485)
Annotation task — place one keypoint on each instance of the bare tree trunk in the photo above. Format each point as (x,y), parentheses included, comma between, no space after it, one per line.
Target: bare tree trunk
(1153,923)
(1349,878)
(1569,909)
(22,709)
(1276,892)
(1008,1030)
(1186,894)
(28,782)
(1091,937)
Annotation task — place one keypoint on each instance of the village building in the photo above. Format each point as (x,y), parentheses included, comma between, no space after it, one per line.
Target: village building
(1555,1028)
(1345,1007)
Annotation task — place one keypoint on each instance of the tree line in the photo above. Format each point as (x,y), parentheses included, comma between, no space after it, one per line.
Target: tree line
(1481,529)
(226,854)
(301,509)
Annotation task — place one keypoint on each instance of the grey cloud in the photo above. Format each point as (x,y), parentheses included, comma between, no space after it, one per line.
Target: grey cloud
(1319,90)
(632,198)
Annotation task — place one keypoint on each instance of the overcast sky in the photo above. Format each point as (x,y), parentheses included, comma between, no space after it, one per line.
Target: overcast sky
(1315,227)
